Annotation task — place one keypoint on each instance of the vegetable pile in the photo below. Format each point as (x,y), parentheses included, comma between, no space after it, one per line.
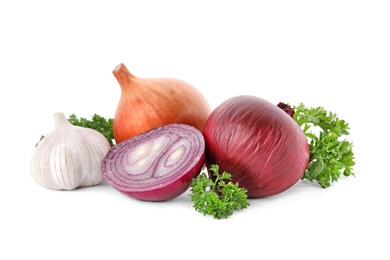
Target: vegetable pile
(164,140)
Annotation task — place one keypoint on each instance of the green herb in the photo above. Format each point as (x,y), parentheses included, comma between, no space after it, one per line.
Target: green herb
(218,197)
(98,123)
(331,156)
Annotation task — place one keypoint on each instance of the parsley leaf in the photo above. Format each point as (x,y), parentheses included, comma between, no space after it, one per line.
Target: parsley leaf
(219,197)
(331,156)
(98,123)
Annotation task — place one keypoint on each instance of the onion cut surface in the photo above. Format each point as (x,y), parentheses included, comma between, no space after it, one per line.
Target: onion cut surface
(258,143)
(156,165)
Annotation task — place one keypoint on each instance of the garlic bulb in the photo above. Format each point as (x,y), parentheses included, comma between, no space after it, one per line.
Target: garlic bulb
(69,157)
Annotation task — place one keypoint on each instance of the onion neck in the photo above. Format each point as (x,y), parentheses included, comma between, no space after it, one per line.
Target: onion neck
(123,75)
(286,108)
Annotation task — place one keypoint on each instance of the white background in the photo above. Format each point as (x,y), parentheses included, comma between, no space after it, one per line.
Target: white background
(59,56)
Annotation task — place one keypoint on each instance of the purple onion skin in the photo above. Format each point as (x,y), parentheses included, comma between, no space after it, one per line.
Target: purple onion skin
(172,191)
(258,143)
(161,189)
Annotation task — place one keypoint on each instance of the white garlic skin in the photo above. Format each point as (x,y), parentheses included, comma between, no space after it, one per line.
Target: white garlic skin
(70,157)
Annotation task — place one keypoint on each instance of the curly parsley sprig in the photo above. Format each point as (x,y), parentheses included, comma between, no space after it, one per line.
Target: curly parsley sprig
(98,123)
(331,156)
(218,197)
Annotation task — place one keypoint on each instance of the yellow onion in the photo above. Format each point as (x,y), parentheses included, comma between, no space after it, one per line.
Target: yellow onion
(147,103)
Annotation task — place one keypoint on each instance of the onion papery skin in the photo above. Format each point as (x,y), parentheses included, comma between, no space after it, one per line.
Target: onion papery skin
(176,149)
(146,103)
(258,143)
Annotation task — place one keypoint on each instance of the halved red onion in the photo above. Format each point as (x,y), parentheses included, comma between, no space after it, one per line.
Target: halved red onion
(156,165)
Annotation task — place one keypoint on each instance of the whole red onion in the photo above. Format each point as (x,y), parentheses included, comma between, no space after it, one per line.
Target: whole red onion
(258,143)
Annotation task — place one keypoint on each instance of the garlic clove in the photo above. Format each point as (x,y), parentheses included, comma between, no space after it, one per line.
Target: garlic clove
(69,157)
